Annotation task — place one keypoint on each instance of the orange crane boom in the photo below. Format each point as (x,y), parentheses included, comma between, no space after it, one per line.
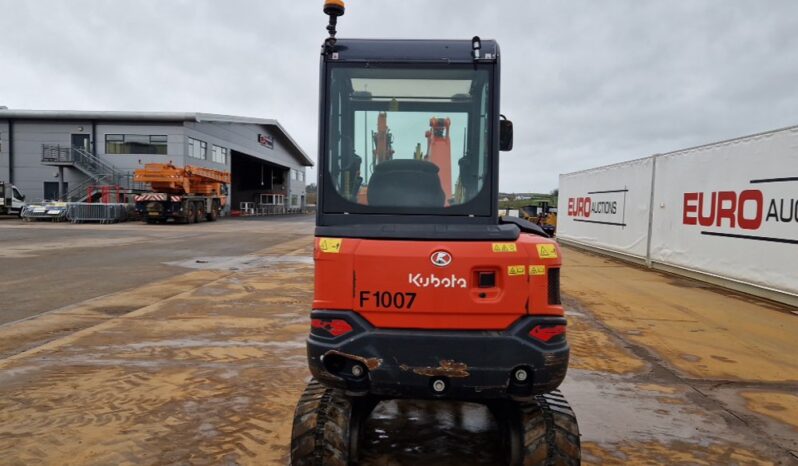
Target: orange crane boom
(167,178)
(383,140)
(439,152)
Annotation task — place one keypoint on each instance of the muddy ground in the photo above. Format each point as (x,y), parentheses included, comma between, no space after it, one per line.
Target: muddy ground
(203,363)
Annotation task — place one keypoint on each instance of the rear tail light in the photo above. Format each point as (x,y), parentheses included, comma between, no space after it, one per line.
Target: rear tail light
(554,286)
(546,333)
(329,327)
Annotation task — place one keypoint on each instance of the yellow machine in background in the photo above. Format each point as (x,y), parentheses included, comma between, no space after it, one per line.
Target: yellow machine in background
(541,213)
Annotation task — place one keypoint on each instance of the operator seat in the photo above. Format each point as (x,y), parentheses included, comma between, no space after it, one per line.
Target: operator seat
(406,183)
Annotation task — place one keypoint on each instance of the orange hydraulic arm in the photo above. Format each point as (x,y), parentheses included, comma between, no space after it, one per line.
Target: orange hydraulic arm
(439,152)
(382,140)
(166,178)
(382,151)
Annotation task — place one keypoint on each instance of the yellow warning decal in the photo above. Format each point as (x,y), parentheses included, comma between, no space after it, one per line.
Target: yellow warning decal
(547,251)
(537,270)
(504,247)
(516,270)
(331,245)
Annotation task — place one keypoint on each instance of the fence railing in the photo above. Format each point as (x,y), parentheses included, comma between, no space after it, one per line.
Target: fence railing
(79,212)
(78,156)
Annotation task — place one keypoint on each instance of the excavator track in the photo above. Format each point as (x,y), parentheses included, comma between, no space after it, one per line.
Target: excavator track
(328,428)
(542,431)
(320,433)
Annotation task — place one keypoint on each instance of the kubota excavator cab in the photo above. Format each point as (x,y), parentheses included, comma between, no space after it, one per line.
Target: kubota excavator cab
(421,291)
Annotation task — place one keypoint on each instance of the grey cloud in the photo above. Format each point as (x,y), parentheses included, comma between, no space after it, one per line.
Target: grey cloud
(586,83)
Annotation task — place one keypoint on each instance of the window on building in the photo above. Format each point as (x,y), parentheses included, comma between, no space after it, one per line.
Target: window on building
(197,149)
(294,200)
(51,190)
(135,144)
(219,154)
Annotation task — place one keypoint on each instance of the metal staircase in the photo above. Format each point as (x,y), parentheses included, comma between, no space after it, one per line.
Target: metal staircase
(98,172)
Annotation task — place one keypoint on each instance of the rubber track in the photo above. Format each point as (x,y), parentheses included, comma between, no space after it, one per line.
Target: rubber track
(320,434)
(550,431)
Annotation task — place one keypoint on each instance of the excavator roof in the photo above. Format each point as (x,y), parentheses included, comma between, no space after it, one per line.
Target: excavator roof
(413,50)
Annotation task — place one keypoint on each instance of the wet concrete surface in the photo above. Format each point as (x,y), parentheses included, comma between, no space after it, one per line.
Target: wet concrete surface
(204,367)
(49,265)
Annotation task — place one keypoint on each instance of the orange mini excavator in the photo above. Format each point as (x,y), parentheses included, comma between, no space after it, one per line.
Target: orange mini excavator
(419,293)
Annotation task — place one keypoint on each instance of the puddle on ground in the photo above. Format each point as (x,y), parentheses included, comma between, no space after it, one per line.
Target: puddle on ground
(443,433)
(613,410)
(239,263)
(614,413)
(208,343)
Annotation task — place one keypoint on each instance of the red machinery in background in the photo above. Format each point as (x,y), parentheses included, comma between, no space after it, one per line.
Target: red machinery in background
(439,151)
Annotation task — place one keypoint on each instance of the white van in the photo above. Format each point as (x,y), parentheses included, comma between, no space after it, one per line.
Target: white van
(12,201)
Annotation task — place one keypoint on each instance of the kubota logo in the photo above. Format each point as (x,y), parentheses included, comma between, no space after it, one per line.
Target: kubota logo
(440,258)
(433,281)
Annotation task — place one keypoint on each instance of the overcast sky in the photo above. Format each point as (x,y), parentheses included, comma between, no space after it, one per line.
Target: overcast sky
(586,83)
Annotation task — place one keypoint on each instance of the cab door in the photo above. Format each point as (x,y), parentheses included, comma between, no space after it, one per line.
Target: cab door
(17,199)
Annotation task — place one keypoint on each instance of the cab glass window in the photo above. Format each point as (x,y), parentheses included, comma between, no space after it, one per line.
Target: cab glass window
(402,138)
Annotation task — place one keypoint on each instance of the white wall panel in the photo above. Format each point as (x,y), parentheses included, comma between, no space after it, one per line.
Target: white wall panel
(727,210)
(607,207)
(731,209)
